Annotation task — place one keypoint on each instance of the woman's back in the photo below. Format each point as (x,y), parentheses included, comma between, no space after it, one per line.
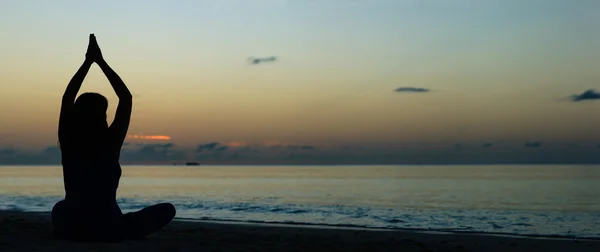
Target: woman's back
(91,173)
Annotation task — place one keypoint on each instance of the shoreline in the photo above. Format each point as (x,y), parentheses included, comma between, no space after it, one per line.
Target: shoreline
(346,227)
(31,231)
(356,227)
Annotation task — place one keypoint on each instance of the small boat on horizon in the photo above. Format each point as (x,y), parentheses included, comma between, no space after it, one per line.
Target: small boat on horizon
(192,163)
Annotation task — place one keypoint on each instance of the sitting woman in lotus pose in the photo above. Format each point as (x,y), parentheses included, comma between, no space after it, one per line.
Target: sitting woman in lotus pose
(90,158)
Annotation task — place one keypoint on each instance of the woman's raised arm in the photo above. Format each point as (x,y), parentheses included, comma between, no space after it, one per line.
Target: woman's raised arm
(120,124)
(68,98)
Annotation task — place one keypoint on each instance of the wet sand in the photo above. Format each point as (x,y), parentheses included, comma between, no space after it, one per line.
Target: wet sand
(32,232)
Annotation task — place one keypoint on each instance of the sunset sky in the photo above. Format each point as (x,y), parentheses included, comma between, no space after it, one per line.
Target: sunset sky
(494,70)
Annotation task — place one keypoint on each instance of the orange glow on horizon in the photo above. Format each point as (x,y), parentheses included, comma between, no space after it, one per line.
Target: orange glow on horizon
(158,137)
(236,144)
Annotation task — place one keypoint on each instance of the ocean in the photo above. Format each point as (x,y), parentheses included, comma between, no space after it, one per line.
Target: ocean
(545,200)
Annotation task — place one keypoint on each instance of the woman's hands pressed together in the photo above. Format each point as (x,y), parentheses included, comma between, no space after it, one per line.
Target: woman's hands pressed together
(93,54)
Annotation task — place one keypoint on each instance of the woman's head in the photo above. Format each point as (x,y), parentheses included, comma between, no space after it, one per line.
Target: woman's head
(90,111)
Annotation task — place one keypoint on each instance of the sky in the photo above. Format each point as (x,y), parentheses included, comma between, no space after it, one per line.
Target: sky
(419,79)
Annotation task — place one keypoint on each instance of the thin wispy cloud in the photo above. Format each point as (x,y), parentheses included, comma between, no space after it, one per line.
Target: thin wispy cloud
(588,95)
(411,90)
(256,61)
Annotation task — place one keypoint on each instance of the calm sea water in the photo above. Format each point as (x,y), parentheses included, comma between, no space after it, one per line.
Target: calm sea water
(526,200)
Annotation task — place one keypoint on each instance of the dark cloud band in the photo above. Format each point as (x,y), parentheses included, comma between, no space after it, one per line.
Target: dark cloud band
(411,90)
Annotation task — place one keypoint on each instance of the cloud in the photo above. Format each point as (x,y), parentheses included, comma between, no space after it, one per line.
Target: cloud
(411,90)
(533,144)
(7,151)
(589,94)
(212,146)
(302,153)
(213,152)
(292,147)
(256,61)
(235,144)
(149,153)
(10,156)
(52,150)
(156,147)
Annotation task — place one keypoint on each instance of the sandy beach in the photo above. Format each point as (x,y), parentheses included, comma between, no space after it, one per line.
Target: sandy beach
(32,232)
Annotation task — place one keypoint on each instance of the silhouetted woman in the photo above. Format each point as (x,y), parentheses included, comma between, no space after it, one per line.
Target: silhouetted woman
(90,158)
